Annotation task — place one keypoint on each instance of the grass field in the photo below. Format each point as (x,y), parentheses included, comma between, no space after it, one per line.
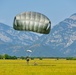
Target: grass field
(43,67)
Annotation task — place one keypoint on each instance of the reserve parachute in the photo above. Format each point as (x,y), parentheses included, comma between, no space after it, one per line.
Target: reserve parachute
(32,21)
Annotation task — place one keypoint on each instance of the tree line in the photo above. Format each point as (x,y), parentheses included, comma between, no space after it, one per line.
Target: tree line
(6,56)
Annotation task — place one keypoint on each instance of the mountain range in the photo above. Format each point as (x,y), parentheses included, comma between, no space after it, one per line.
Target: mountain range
(11,40)
(60,42)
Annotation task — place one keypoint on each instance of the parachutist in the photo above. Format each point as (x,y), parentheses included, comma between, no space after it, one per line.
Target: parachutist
(27,59)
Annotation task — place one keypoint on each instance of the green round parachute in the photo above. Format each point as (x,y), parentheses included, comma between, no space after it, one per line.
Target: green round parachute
(32,21)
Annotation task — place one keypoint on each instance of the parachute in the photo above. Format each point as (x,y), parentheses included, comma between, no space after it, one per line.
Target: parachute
(29,51)
(32,21)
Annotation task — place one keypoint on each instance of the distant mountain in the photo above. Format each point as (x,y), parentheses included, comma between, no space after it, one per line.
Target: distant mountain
(61,42)
(10,39)
(9,35)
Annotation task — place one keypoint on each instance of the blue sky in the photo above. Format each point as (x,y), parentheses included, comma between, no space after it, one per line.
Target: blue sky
(55,10)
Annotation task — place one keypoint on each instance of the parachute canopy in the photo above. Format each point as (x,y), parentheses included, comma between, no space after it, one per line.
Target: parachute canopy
(32,21)
(29,51)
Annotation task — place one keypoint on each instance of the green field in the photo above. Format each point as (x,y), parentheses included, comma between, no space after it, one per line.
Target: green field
(43,67)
